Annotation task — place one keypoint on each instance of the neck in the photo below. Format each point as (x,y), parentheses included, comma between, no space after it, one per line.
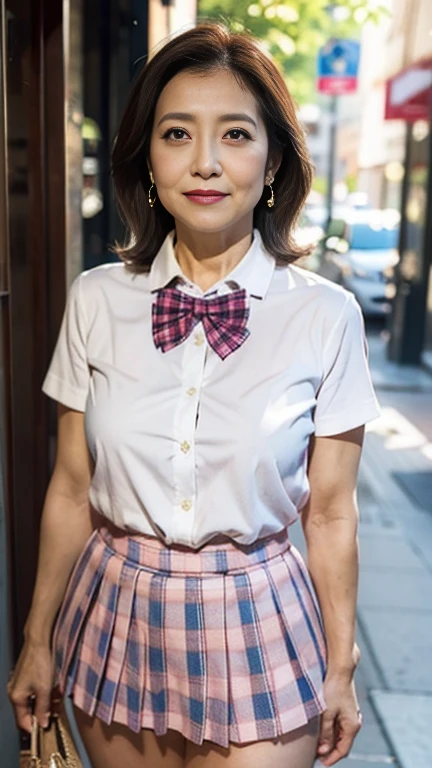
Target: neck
(207,258)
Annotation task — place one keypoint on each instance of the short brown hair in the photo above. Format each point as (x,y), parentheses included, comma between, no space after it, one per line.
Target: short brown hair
(206,48)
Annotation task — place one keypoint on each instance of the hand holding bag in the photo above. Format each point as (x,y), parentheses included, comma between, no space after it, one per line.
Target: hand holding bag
(51,747)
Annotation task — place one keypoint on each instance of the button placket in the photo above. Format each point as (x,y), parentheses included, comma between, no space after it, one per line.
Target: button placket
(184,435)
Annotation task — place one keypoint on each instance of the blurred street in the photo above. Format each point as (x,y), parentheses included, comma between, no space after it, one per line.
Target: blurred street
(394,680)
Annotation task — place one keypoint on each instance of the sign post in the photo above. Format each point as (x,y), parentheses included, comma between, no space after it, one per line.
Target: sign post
(338,63)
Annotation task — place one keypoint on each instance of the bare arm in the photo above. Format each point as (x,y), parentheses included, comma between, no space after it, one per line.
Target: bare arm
(330,522)
(66,525)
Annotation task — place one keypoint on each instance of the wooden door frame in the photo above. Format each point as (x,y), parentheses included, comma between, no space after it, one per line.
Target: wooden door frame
(38,275)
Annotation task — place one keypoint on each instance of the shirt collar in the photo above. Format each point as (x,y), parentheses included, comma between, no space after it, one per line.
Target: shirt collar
(253,272)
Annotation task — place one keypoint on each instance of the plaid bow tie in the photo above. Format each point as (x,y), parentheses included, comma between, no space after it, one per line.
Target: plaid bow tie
(224,319)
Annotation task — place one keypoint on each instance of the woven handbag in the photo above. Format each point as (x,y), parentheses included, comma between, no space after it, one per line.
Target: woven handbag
(51,747)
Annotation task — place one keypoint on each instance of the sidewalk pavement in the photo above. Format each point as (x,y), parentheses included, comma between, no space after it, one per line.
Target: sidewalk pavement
(394,680)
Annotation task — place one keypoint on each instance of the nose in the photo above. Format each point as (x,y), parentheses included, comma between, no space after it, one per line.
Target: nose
(206,160)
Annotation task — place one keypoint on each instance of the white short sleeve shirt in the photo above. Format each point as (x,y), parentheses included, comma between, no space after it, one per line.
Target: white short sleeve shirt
(186,445)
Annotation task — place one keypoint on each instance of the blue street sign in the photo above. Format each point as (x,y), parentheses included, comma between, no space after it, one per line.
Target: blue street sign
(338,64)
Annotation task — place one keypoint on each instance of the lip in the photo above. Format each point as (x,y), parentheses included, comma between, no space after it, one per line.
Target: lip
(206,192)
(205,196)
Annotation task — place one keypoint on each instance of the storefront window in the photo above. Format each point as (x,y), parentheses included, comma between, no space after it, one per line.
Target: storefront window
(416,261)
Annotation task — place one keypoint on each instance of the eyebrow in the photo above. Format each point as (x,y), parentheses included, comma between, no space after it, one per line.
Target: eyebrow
(242,116)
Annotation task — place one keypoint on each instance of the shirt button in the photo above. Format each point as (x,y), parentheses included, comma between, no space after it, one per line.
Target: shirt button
(186,505)
(199,339)
(185,446)
(191,391)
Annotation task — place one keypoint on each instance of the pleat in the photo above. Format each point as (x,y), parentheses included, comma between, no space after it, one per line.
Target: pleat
(139,631)
(155,698)
(120,663)
(253,715)
(275,658)
(217,667)
(308,599)
(196,681)
(131,685)
(96,638)
(284,670)
(298,641)
(174,634)
(312,652)
(81,592)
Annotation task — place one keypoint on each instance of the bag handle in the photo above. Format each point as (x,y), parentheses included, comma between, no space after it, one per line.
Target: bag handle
(35,761)
(37,734)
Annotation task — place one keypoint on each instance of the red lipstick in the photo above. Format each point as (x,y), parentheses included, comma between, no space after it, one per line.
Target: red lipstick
(205,196)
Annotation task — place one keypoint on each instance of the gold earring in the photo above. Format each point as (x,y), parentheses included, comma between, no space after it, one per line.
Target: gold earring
(151,201)
(271,200)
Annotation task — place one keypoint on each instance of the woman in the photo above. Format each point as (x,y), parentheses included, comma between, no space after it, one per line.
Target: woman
(209,391)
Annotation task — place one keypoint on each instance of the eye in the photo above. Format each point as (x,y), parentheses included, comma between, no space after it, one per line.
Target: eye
(237,134)
(175,134)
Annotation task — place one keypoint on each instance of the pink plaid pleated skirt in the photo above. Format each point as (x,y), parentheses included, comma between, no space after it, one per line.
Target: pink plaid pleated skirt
(223,644)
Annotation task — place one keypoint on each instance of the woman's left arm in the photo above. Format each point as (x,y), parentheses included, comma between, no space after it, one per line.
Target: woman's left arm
(330,522)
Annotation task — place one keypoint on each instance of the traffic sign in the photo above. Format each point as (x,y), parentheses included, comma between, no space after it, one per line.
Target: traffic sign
(338,63)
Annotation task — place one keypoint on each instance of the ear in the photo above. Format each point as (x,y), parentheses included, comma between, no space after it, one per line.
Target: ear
(273,165)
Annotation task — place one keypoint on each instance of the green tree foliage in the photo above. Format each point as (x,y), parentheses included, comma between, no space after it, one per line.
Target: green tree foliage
(292,31)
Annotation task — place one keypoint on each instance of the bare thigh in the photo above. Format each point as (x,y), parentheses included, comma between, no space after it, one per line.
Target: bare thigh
(296,749)
(111,746)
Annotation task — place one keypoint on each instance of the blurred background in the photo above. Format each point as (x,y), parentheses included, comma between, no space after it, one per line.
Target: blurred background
(360,72)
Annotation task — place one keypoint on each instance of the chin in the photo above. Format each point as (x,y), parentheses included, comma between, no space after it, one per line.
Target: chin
(212,223)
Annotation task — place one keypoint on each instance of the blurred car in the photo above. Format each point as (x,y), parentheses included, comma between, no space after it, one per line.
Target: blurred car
(362,256)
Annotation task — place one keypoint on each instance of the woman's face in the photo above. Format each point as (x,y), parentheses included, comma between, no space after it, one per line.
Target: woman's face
(208,137)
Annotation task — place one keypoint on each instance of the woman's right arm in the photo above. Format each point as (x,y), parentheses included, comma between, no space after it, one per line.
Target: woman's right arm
(66,525)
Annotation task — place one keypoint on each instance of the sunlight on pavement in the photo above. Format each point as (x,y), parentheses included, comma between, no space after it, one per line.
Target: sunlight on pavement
(399,433)
(373,759)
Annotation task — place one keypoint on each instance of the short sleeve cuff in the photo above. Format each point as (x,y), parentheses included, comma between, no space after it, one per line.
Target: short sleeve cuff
(62,392)
(349,419)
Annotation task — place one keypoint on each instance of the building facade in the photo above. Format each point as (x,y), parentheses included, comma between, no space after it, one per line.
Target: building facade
(395,158)
(408,98)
